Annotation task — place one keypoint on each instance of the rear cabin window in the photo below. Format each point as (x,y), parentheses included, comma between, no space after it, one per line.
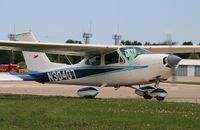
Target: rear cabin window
(112,58)
(95,60)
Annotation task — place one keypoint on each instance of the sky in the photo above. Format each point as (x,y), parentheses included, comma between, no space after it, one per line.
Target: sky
(141,20)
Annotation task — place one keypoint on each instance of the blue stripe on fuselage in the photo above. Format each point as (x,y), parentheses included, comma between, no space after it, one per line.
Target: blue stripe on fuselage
(79,72)
(25,77)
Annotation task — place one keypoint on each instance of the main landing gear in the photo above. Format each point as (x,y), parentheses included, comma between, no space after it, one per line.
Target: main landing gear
(147,92)
(89,92)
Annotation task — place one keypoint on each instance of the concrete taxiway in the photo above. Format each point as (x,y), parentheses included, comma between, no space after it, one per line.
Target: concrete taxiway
(179,93)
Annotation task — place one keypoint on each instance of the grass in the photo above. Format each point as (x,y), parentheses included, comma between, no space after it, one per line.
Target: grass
(21,112)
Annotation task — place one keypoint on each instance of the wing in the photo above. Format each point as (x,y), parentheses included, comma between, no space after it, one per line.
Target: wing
(173,49)
(86,49)
(57,48)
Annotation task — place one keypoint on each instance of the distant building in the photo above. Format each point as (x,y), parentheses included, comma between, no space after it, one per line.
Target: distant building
(189,68)
(188,71)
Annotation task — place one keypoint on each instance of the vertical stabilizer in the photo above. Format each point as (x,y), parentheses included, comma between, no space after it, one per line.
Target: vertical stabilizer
(28,36)
(36,61)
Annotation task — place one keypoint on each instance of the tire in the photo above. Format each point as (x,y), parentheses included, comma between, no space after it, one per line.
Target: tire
(147,97)
(160,98)
(89,97)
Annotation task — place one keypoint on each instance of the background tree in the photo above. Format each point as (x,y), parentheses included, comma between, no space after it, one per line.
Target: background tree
(18,57)
(73,41)
(147,43)
(187,43)
(160,43)
(194,56)
(133,43)
(4,57)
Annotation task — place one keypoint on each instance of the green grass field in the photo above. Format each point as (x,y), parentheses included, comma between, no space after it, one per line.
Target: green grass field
(58,113)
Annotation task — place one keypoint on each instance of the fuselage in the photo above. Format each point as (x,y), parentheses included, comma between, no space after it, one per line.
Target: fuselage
(125,66)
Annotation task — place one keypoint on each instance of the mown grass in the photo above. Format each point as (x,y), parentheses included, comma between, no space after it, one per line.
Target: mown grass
(20,112)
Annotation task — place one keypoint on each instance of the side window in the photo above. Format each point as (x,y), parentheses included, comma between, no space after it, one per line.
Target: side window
(95,60)
(112,58)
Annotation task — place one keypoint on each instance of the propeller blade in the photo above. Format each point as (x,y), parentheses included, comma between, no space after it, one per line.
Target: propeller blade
(173,76)
(172,60)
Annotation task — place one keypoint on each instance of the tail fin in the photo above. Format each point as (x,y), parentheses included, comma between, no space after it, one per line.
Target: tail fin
(36,61)
(27,36)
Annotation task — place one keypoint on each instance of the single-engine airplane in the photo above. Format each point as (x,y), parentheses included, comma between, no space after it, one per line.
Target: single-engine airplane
(102,65)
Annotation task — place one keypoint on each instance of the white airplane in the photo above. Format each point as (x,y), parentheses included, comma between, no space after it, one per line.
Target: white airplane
(102,65)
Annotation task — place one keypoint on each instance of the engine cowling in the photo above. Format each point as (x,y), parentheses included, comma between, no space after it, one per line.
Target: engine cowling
(88,92)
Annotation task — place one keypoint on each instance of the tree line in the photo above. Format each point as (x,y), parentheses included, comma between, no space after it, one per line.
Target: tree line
(137,43)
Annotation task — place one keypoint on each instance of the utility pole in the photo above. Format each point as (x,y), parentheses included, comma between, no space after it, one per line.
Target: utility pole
(117,38)
(12,37)
(86,37)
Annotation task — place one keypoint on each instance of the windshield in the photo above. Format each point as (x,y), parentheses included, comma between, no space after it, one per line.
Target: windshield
(132,52)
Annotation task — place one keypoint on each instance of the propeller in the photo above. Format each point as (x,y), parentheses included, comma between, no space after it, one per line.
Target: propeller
(172,60)
(173,72)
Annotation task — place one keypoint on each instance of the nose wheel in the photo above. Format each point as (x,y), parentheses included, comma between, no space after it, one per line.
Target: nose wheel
(147,97)
(149,92)
(159,98)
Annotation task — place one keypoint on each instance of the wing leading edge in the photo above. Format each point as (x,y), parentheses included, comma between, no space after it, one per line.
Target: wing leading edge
(63,48)
(173,49)
(86,49)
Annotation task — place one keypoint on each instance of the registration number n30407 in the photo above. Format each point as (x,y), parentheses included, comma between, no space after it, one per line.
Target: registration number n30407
(61,75)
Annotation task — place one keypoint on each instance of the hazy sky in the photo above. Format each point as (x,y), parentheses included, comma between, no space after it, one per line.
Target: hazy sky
(142,20)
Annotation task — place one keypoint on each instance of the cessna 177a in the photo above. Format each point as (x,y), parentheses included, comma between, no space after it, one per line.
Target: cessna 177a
(102,65)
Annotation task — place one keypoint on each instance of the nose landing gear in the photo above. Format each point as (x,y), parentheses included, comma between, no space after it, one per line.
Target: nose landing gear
(149,92)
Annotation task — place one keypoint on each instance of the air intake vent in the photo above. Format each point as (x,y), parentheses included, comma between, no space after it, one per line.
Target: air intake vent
(165,60)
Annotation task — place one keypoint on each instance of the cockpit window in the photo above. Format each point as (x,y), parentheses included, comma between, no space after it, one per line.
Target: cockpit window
(132,52)
(95,60)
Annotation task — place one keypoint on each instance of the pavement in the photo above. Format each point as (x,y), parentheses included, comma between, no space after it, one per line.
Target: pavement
(179,93)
